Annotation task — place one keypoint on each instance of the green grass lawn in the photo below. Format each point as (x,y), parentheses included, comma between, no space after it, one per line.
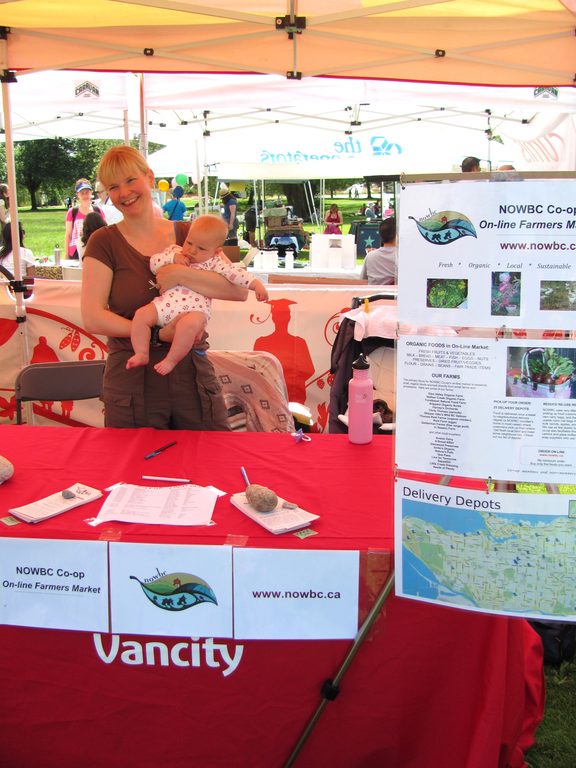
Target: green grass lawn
(556,737)
(45,228)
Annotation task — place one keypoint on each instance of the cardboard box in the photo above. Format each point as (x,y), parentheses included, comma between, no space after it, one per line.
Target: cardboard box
(275,221)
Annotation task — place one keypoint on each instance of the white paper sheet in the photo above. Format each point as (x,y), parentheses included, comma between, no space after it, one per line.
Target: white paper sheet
(175,505)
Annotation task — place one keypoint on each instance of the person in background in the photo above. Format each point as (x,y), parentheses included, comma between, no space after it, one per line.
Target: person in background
(4,203)
(116,281)
(250,221)
(76,215)
(111,214)
(174,209)
(333,221)
(380,265)
(230,214)
(470,165)
(91,223)
(7,257)
(369,212)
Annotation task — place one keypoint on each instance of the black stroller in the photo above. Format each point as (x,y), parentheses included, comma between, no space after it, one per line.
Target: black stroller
(380,350)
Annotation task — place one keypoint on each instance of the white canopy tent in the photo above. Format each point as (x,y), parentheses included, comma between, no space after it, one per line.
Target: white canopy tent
(371,127)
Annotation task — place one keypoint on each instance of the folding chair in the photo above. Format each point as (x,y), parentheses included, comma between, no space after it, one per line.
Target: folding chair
(76,380)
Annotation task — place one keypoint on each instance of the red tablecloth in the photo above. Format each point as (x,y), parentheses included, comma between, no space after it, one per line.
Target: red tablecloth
(430,687)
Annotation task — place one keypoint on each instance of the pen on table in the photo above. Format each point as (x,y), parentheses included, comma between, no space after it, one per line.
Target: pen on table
(166,479)
(244,475)
(159,450)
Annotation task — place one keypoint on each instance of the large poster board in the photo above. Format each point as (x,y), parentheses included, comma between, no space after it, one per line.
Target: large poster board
(483,407)
(488,254)
(496,552)
(492,405)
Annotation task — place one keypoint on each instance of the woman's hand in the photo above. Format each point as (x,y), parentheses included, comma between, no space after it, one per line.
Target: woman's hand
(170,275)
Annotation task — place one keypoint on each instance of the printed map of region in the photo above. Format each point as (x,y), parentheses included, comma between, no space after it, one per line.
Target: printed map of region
(507,563)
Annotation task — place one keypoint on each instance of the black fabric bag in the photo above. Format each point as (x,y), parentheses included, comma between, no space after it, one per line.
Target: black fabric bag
(558,641)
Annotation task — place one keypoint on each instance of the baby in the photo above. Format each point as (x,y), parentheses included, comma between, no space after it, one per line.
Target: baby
(201,250)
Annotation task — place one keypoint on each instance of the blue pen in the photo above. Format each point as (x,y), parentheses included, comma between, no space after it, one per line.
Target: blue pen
(244,475)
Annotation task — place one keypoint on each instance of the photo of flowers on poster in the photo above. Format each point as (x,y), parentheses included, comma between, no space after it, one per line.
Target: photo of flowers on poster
(505,296)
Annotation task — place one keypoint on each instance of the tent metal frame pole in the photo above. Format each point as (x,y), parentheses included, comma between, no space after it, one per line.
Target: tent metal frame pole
(331,688)
(18,283)
(143,128)
(126,124)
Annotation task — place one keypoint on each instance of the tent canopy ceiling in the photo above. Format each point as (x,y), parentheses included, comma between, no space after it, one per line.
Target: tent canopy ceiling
(369,126)
(513,42)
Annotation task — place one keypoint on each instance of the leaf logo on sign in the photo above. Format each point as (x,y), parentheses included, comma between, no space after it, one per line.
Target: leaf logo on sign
(445,227)
(177,591)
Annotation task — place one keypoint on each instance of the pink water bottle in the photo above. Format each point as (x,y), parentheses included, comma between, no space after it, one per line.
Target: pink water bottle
(360,402)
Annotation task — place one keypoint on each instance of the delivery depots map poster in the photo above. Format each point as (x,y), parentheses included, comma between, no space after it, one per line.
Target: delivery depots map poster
(491,552)
(481,253)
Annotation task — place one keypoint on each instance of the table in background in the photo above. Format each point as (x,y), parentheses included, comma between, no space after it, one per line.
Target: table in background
(306,271)
(430,686)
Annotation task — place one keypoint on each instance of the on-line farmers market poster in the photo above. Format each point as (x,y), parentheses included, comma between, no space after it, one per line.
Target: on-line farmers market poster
(488,254)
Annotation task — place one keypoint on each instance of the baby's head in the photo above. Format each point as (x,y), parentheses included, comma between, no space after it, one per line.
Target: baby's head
(206,235)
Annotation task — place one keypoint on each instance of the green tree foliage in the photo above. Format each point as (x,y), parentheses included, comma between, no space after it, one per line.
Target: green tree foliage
(43,162)
(51,166)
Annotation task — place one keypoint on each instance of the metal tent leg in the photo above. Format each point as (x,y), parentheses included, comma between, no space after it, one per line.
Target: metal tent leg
(330,688)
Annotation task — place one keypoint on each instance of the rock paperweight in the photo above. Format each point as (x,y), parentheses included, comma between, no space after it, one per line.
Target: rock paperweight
(6,469)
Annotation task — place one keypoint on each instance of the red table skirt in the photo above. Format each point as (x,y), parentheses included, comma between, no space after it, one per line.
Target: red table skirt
(431,687)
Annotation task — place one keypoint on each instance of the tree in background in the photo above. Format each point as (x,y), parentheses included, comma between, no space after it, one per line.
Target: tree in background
(44,162)
(51,166)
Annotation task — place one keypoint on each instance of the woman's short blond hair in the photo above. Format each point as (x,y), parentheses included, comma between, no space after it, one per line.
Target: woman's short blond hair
(121,160)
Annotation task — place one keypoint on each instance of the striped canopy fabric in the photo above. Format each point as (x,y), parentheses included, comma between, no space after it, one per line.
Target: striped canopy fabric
(491,42)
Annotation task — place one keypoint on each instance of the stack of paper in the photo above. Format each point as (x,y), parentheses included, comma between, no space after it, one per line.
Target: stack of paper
(280,520)
(175,505)
(56,503)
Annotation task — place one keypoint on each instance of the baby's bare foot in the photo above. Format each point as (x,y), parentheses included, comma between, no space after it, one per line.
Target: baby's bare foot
(164,366)
(137,360)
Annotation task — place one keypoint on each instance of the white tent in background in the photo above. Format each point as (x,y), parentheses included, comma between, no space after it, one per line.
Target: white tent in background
(100,105)
(379,127)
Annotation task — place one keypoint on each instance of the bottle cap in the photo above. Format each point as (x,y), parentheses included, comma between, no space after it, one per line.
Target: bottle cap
(361,363)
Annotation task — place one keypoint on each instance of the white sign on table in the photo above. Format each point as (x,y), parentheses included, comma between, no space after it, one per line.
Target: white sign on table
(285,594)
(171,589)
(54,584)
